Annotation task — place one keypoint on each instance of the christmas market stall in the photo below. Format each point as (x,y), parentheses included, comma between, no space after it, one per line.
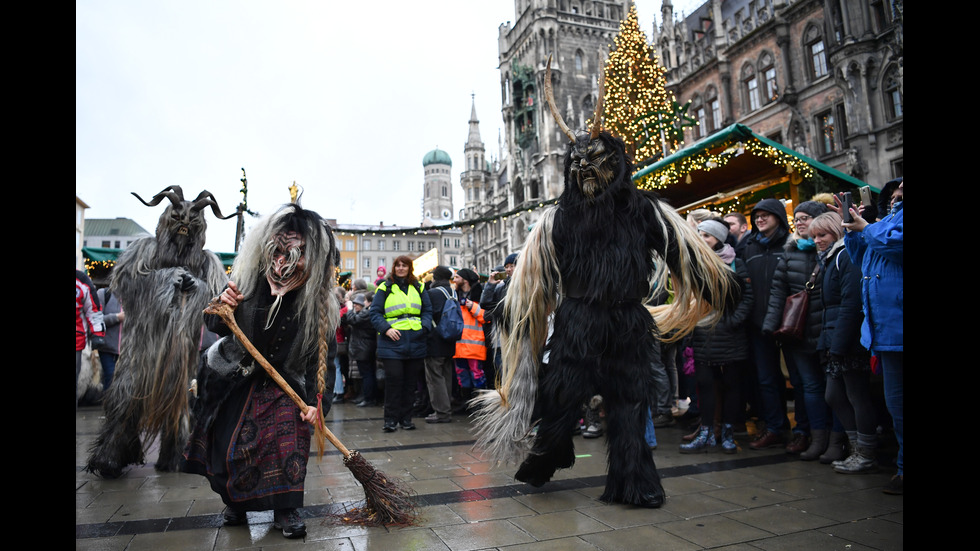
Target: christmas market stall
(735,168)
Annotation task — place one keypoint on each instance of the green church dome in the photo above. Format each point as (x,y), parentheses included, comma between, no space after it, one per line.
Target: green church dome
(436,156)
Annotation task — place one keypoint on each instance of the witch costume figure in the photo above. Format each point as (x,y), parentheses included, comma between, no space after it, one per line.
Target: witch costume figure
(590,266)
(163,283)
(251,441)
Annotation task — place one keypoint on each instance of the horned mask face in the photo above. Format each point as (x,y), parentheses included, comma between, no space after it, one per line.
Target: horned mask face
(286,257)
(184,223)
(593,161)
(593,166)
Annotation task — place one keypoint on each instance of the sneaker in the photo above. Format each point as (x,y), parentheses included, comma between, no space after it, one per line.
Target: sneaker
(436,418)
(234,517)
(407,424)
(662,421)
(767,439)
(895,486)
(390,426)
(858,464)
(289,521)
(593,431)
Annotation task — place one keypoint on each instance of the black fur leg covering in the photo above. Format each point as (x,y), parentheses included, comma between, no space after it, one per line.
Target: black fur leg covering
(171,456)
(632,478)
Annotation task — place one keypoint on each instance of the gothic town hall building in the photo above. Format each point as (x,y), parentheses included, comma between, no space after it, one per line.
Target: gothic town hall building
(824,77)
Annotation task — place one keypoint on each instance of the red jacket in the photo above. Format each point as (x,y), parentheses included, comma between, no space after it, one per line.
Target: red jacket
(88,314)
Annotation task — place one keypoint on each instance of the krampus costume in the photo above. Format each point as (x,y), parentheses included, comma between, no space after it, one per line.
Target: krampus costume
(163,284)
(249,439)
(592,261)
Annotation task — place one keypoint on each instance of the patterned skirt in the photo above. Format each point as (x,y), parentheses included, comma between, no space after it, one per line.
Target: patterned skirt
(256,451)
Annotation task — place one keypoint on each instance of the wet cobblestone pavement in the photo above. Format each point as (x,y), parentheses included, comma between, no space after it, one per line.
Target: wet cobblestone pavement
(752,500)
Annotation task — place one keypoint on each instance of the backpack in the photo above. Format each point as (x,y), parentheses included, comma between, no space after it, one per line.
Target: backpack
(450,326)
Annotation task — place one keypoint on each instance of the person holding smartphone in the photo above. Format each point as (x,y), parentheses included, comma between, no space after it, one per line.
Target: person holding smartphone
(878,248)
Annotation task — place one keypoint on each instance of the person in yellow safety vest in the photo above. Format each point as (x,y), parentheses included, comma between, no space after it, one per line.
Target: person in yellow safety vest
(471,348)
(402,315)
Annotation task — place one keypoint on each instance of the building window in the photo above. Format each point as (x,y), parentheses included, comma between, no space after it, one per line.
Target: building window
(367,263)
(106,244)
(411,246)
(456,243)
(396,245)
(445,191)
(714,107)
(381,244)
(750,87)
(350,264)
(815,48)
(350,244)
(116,245)
(770,90)
(367,244)
(579,66)
(893,95)
(702,128)
(827,132)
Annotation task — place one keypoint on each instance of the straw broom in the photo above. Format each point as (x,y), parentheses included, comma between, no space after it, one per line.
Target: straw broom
(387,500)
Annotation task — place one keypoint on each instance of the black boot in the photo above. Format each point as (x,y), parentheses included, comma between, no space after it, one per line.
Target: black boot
(463,405)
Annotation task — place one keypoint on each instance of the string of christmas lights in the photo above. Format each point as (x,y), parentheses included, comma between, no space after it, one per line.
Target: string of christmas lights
(426,230)
(707,161)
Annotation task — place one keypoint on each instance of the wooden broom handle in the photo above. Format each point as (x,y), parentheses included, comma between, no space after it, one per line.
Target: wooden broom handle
(227,314)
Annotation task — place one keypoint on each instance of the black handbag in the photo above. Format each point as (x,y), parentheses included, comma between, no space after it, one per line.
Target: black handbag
(797,306)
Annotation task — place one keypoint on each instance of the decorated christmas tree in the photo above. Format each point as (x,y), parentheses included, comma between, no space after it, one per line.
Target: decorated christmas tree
(638,107)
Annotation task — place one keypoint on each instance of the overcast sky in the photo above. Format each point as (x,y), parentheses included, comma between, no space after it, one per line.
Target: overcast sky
(344,98)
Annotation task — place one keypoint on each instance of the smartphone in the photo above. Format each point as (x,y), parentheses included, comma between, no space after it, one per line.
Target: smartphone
(846,206)
(866,196)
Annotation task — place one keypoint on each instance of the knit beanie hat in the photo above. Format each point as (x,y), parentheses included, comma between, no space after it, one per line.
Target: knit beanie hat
(511,259)
(714,228)
(469,275)
(813,208)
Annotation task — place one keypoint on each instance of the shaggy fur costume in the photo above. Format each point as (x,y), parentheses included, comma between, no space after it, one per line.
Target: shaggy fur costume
(592,261)
(163,284)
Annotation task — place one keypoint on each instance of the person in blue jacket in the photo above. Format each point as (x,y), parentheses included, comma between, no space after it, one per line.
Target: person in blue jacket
(878,249)
(402,315)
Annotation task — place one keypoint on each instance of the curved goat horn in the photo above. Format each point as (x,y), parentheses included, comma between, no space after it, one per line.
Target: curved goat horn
(597,121)
(550,96)
(174,193)
(206,199)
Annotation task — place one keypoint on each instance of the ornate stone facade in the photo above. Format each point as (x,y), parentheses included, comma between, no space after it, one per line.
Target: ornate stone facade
(823,77)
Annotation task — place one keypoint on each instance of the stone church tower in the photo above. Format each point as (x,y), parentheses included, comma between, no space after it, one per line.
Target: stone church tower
(577,35)
(437,196)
